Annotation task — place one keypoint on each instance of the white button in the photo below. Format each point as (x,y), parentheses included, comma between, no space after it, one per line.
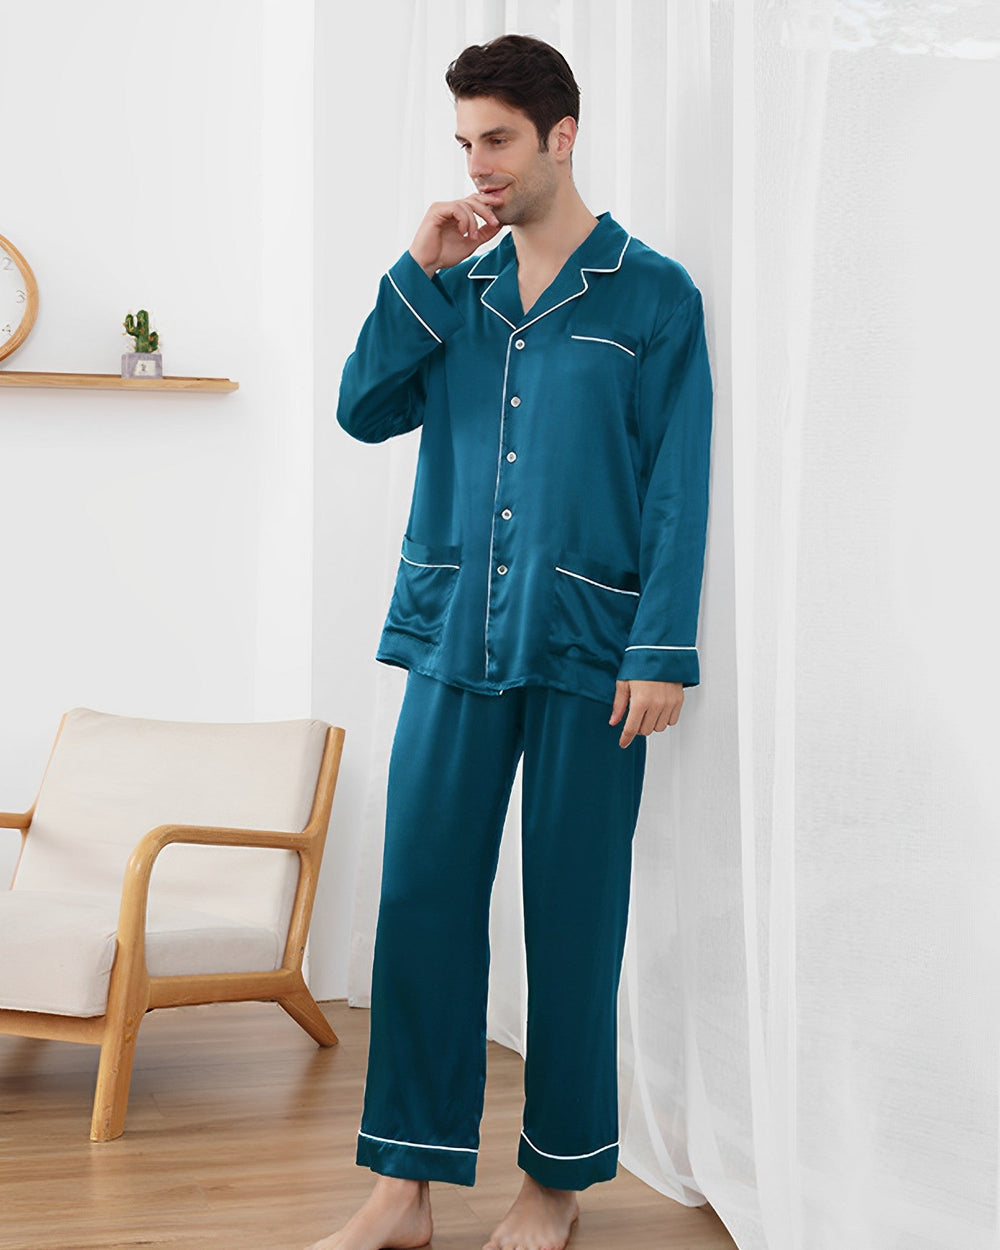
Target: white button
(501,569)
(519,344)
(515,402)
(506,514)
(512,456)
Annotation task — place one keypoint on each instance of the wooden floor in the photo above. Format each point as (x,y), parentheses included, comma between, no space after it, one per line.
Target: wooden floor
(240,1136)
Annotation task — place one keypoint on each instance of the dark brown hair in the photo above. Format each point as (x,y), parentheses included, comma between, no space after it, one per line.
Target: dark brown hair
(525,74)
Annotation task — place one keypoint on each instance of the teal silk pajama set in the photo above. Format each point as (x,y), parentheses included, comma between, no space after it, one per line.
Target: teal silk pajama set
(555,544)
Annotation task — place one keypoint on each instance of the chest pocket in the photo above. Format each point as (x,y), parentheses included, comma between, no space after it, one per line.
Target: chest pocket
(603,342)
(603,372)
(603,364)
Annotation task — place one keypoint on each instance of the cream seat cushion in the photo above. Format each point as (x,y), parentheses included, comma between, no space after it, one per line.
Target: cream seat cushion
(72,937)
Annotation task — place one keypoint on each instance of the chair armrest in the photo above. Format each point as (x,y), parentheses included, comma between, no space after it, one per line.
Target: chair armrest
(15,820)
(152,843)
(138,870)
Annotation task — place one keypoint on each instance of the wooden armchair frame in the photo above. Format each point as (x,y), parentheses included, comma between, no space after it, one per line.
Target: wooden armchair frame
(132,991)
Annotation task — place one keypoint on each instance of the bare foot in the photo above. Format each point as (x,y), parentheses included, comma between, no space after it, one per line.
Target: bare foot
(540,1219)
(397,1216)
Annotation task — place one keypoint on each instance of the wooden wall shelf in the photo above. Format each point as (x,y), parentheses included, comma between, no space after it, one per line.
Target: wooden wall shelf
(113,382)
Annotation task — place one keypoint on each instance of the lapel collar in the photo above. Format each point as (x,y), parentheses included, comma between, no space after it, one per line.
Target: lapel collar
(500,293)
(602,251)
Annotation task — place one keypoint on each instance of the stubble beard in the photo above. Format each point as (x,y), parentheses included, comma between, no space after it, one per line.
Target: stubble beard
(530,203)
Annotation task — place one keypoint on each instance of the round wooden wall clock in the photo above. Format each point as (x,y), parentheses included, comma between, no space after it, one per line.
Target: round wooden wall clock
(18,298)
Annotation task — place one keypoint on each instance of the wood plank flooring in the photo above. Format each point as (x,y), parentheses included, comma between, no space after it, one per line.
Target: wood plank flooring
(240,1136)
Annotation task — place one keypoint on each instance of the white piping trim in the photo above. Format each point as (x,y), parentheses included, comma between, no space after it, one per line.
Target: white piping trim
(589,338)
(621,257)
(545,1155)
(412,309)
(416,1145)
(496,496)
(615,589)
(482,300)
(417,565)
(479,260)
(584,270)
(661,648)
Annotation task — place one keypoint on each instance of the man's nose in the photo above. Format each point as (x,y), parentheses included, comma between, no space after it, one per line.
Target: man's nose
(479,165)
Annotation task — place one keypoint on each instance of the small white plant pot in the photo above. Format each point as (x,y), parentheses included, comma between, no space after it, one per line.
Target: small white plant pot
(142,365)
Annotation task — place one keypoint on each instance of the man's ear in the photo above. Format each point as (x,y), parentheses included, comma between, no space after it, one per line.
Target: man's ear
(562,137)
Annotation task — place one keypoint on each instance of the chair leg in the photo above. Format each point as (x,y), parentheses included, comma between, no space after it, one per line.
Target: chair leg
(114,1075)
(301,1006)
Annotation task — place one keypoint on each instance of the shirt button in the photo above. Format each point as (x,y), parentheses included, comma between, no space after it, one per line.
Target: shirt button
(501,569)
(515,402)
(519,345)
(506,514)
(511,456)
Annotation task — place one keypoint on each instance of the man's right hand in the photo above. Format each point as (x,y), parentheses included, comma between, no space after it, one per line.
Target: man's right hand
(450,231)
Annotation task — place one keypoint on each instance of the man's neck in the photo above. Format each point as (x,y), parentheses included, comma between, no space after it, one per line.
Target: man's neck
(545,246)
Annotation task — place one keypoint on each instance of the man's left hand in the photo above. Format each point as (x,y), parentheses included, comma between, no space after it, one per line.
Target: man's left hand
(652,706)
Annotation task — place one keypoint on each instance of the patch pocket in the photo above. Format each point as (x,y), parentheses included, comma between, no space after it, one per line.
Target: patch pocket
(593,610)
(425,586)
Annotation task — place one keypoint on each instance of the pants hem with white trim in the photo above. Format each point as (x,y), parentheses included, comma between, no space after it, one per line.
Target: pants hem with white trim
(453,762)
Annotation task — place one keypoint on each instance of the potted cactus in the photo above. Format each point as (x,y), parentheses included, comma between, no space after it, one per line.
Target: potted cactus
(145,361)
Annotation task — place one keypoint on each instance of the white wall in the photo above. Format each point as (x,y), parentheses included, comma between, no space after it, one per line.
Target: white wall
(156,551)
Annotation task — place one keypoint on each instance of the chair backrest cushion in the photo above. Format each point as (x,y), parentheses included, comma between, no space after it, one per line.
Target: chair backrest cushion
(113,778)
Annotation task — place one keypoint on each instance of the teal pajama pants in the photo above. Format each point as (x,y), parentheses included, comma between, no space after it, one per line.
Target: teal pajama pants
(453,762)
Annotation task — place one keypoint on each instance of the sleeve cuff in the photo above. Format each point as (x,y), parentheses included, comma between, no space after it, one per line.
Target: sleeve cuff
(424,298)
(660,664)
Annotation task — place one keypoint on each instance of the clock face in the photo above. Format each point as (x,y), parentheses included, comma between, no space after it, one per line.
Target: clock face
(18,298)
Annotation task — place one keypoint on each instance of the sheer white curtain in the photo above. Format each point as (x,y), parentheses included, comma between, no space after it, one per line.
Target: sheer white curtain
(809,1012)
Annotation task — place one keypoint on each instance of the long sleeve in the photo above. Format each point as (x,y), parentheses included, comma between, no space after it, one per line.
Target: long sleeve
(675,413)
(382,388)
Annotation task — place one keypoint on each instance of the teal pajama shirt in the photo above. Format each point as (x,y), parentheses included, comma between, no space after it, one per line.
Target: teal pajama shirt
(555,543)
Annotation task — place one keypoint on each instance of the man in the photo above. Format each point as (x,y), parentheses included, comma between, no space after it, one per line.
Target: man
(548,589)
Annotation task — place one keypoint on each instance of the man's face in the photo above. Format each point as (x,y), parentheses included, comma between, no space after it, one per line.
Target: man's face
(501,149)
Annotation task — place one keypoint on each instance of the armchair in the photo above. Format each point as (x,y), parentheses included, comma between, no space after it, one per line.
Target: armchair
(163,864)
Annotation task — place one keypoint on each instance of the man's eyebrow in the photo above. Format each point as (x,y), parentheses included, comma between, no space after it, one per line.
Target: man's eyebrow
(488,134)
